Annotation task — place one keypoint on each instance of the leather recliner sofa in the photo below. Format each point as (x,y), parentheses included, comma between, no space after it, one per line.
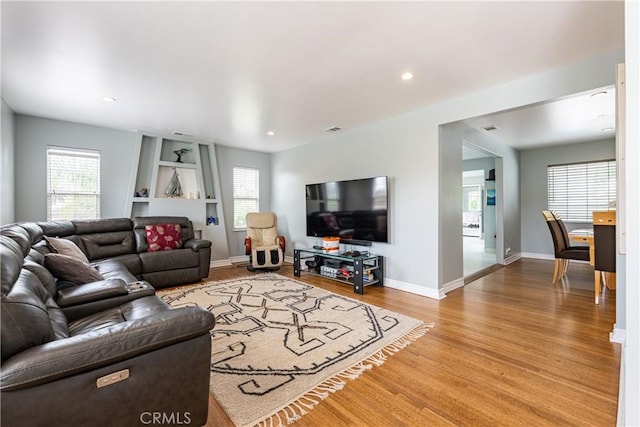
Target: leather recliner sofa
(101,354)
(124,241)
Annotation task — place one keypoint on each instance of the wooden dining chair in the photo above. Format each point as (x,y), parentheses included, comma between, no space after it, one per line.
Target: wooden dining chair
(604,241)
(563,250)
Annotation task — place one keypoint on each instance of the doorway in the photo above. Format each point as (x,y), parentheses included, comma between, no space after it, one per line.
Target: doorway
(478,211)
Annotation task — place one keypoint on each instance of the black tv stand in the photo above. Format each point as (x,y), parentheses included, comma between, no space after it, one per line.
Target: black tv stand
(364,270)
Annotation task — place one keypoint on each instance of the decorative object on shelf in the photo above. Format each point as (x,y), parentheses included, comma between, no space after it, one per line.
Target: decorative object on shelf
(211,220)
(492,175)
(174,189)
(144,191)
(180,153)
(331,245)
(491,197)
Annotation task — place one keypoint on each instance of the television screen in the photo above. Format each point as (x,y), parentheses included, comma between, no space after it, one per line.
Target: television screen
(355,209)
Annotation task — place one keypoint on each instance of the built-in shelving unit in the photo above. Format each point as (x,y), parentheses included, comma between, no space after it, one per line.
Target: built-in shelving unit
(155,165)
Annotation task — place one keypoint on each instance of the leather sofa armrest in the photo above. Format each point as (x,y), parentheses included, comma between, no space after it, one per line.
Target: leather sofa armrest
(197,244)
(70,356)
(89,292)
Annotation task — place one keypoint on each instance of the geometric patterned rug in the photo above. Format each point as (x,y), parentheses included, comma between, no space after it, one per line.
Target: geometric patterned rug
(280,346)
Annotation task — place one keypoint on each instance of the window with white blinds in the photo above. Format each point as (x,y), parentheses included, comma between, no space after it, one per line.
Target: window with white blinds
(73,183)
(245,194)
(576,190)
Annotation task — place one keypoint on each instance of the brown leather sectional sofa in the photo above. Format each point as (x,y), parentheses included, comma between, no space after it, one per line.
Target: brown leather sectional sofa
(108,352)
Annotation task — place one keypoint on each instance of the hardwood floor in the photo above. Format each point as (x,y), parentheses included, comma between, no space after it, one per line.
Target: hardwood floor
(507,349)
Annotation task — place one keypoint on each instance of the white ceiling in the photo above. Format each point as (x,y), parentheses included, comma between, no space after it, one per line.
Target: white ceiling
(229,72)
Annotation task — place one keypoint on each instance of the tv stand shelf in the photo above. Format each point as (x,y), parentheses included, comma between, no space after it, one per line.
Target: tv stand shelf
(362,271)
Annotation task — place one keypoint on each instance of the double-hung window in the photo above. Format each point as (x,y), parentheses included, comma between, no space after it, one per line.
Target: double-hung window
(73,183)
(576,190)
(246,188)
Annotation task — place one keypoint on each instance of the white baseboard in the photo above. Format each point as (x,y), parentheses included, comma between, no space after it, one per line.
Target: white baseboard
(549,257)
(618,335)
(220,263)
(413,289)
(453,285)
(239,258)
(512,258)
(288,259)
(537,255)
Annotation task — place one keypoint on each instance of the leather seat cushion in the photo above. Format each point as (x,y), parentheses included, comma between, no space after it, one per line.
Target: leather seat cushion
(132,310)
(169,260)
(112,269)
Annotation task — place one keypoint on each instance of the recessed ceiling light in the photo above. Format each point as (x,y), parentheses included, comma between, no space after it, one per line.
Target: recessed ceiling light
(597,94)
(271,133)
(108,99)
(407,76)
(609,129)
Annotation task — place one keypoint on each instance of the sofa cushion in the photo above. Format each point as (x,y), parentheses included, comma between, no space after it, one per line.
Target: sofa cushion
(163,237)
(114,269)
(57,228)
(169,260)
(66,247)
(70,269)
(129,262)
(26,320)
(108,245)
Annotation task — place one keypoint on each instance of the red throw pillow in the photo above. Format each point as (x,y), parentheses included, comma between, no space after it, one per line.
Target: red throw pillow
(163,237)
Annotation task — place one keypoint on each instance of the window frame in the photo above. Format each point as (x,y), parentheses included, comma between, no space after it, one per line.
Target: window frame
(74,187)
(236,198)
(575,190)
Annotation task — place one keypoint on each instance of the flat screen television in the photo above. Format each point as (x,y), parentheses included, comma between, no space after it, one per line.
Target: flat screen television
(352,210)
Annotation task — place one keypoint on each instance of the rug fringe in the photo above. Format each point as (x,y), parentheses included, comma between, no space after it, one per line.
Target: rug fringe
(301,406)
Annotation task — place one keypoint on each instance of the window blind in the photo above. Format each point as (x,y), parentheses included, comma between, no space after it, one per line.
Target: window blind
(73,183)
(576,190)
(245,194)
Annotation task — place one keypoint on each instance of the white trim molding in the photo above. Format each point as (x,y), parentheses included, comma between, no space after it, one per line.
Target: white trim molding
(618,335)
(536,255)
(221,263)
(451,286)
(512,258)
(413,288)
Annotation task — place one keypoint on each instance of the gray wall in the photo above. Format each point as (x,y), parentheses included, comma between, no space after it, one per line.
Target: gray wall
(228,158)
(7,150)
(34,134)
(407,148)
(536,240)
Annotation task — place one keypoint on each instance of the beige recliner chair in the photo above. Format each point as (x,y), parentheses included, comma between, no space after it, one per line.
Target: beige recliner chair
(263,244)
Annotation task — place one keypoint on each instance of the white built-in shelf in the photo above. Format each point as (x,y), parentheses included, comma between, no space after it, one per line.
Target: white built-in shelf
(154,166)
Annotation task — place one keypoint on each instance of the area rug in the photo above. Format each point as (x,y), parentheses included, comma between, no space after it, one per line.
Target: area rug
(281,346)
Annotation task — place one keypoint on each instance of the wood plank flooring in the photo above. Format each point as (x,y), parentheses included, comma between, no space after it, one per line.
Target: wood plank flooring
(507,349)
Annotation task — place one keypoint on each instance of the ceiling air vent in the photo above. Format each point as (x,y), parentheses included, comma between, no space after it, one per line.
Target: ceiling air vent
(491,128)
(181,133)
(333,129)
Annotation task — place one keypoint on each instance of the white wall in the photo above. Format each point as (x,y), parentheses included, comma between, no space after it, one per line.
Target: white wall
(629,409)
(7,150)
(34,134)
(228,158)
(536,239)
(407,149)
